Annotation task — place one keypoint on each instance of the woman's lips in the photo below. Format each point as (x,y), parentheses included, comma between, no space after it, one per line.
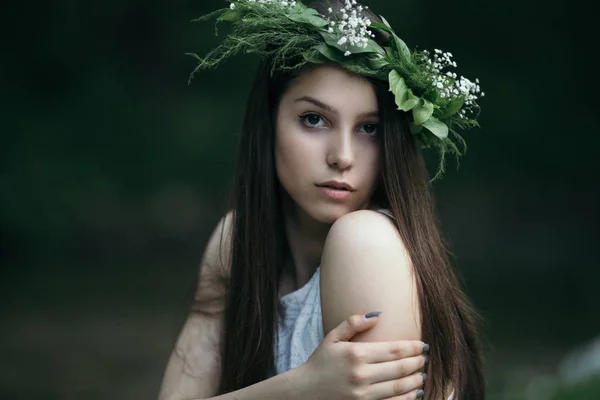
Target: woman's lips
(334,194)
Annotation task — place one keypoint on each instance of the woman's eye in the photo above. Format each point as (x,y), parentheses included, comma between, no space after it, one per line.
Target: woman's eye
(312,120)
(370,129)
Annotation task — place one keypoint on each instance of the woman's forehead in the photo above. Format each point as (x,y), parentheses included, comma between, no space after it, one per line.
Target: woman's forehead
(334,86)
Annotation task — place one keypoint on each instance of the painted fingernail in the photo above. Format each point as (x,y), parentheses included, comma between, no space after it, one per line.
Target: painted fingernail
(425,348)
(372,314)
(426,359)
(420,393)
(424,376)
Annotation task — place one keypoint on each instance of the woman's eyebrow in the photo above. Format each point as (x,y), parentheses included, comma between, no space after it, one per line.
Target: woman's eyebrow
(330,109)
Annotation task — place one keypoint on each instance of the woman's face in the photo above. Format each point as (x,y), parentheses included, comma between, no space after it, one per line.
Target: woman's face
(327,146)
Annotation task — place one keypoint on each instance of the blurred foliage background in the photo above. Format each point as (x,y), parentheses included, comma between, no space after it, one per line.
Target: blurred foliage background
(113,172)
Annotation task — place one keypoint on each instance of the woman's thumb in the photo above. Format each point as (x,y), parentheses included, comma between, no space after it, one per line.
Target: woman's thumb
(353,325)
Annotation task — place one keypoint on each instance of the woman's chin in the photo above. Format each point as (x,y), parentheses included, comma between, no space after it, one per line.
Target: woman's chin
(329,214)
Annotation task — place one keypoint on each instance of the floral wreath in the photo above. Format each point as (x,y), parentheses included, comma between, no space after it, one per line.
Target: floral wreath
(439,101)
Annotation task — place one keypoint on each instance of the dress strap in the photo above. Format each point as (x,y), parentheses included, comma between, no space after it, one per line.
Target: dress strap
(385,211)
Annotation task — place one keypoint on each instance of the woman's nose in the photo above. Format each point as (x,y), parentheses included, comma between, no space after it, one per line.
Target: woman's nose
(340,154)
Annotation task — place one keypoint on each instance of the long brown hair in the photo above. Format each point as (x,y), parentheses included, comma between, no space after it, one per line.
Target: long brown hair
(259,249)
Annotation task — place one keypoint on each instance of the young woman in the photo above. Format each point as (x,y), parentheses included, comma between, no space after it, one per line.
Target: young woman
(329,275)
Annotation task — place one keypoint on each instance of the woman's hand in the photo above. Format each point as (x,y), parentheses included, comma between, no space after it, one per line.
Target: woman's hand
(343,370)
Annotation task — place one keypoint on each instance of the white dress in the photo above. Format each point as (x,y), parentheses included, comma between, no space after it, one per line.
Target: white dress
(301,325)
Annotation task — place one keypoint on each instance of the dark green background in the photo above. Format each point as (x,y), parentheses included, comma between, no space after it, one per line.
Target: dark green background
(113,172)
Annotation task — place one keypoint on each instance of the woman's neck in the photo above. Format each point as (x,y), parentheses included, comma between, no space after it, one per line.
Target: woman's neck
(306,238)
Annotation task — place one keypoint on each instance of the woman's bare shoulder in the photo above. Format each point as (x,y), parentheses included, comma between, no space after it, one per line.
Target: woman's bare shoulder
(371,230)
(215,269)
(365,267)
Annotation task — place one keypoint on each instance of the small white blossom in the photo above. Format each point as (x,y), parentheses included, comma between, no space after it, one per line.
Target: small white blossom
(347,53)
(283,3)
(351,25)
(448,83)
(232,6)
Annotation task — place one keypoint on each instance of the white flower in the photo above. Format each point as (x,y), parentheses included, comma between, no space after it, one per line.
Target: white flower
(232,6)
(352,25)
(347,53)
(448,84)
(330,30)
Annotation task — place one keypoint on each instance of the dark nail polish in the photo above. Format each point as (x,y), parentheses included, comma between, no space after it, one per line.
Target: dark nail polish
(425,348)
(420,393)
(424,375)
(426,359)
(372,314)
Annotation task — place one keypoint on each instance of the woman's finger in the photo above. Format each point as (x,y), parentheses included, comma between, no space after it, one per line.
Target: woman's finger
(351,326)
(397,369)
(406,388)
(414,395)
(378,352)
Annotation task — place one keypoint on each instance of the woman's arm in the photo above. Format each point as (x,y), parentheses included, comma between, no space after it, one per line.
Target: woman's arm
(194,367)
(335,371)
(365,267)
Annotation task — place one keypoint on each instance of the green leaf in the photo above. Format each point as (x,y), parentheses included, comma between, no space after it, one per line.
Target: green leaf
(324,53)
(394,78)
(311,11)
(380,26)
(300,7)
(314,57)
(402,93)
(231,15)
(410,102)
(437,127)
(422,112)
(376,61)
(359,68)
(452,108)
(307,17)
(397,83)
(402,49)
(387,24)
(332,40)
(330,53)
